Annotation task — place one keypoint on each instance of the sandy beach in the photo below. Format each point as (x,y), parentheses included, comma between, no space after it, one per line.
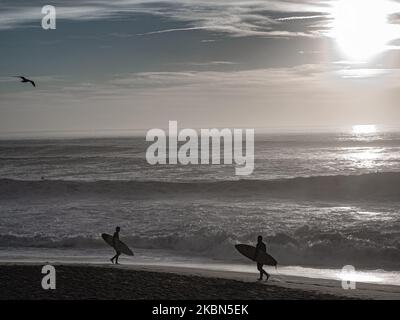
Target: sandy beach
(85,281)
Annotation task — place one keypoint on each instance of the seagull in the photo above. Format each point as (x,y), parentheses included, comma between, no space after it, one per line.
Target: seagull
(23,79)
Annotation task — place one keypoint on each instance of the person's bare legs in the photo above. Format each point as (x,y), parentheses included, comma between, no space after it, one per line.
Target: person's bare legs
(266,273)
(261,270)
(116,257)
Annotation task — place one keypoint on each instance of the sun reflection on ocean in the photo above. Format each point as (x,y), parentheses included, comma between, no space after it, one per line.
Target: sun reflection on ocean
(364,129)
(358,277)
(367,157)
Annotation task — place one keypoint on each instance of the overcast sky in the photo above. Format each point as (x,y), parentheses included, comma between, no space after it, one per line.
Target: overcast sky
(130,64)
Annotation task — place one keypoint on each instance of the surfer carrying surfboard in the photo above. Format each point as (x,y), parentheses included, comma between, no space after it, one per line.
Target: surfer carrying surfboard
(117,244)
(258,254)
(260,248)
(115,241)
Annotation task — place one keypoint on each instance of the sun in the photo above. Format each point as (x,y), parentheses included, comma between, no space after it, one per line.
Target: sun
(361,27)
(364,129)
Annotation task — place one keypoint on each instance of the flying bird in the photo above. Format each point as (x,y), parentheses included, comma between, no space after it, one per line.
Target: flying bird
(23,79)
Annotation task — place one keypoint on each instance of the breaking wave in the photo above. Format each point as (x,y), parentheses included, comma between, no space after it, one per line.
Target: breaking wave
(367,247)
(306,246)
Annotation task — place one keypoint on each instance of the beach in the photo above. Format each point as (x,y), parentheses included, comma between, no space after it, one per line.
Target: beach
(200,145)
(58,196)
(22,281)
(307,214)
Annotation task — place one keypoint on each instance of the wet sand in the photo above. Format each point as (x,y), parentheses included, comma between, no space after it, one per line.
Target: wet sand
(85,281)
(102,282)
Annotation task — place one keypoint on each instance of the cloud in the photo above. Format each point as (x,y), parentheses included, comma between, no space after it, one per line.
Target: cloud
(171,30)
(301,17)
(364,73)
(274,81)
(303,95)
(235,18)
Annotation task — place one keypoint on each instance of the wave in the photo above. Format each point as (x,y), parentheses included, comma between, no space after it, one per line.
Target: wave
(384,186)
(306,246)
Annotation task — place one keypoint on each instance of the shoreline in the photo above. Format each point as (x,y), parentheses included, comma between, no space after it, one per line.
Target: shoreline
(106,281)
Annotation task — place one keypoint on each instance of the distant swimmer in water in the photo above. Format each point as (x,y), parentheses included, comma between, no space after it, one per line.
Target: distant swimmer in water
(115,240)
(261,247)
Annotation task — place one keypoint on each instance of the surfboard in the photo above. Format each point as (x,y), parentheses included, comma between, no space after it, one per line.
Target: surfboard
(120,246)
(250,251)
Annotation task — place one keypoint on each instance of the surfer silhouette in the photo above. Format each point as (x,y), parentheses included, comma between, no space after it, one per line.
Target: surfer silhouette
(260,247)
(115,240)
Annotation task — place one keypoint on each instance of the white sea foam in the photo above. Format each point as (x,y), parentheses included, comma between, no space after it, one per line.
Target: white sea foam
(316,199)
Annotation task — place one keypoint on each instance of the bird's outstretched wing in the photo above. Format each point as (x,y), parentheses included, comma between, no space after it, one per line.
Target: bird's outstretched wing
(26,80)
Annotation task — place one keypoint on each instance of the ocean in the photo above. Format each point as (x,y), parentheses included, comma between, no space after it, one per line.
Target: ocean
(321,201)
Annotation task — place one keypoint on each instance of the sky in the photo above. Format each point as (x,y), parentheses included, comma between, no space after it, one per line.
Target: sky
(112,66)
